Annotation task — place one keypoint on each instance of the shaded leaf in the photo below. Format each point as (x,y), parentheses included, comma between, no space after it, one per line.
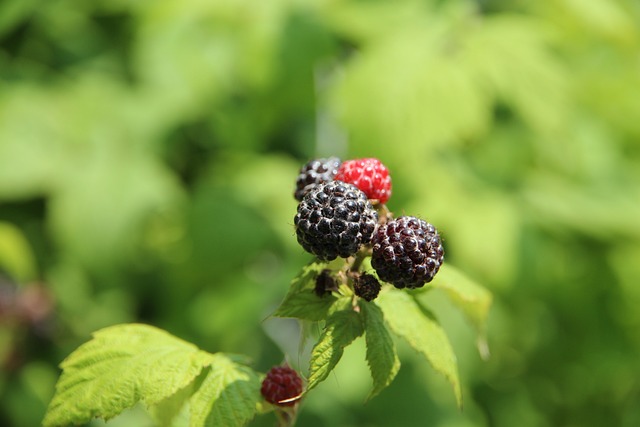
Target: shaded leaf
(301,301)
(120,366)
(306,278)
(341,329)
(381,351)
(228,396)
(166,412)
(424,334)
(305,305)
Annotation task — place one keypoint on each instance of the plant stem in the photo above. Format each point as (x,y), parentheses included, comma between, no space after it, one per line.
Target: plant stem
(287,417)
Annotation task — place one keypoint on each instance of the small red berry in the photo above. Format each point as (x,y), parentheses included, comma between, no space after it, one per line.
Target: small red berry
(369,175)
(282,386)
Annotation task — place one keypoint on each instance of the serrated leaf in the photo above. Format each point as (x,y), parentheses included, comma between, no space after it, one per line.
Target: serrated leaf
(470,297)
(305,305)
(301,302)
(228,396)
(120,366)
(165,412)
(342,327)
(473,299)
(407,320)
(381,351)
(307,276)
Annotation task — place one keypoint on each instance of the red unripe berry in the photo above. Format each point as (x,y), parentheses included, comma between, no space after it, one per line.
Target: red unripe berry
(369,175)
(282,386)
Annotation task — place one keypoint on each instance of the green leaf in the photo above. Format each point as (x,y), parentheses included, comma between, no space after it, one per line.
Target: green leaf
(307,276)
(228,396)
(405,317)
(381,351)
(305,305)
(341,329)
(173,409)
(470,297)
(120,366)
(301,301)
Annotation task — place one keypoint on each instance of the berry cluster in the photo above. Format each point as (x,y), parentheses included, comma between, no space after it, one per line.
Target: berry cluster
(338,216)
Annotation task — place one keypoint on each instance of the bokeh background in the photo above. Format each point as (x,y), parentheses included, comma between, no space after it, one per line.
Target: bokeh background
(148,152)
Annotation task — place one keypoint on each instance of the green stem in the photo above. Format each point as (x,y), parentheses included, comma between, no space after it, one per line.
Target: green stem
(359,259)
(287,416)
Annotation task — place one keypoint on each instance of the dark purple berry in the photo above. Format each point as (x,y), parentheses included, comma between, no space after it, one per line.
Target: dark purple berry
(282,386)
(407,252)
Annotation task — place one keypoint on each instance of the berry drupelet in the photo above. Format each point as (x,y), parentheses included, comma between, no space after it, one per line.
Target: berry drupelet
(315,172)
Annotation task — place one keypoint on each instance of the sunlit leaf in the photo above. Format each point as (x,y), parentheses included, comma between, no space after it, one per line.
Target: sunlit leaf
(473,299)
(424,334)
(167,412)
(470,297)
(120,366)
(341,328)
(381,351)
(228,395)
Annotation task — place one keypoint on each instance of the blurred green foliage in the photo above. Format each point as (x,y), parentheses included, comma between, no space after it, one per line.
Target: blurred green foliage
(148,151)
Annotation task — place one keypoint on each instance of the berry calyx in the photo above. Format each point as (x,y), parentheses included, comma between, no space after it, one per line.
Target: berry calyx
(367,287)
(334,219)
(315,172)
(369,175)
(282,386)
(407,252)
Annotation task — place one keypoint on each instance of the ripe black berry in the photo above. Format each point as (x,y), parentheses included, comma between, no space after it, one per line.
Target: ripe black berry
(281,386)
(407,252)
(315,172)
(366,286)
(334,219)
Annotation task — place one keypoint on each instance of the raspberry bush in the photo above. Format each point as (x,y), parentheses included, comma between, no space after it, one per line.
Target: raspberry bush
(367,278)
